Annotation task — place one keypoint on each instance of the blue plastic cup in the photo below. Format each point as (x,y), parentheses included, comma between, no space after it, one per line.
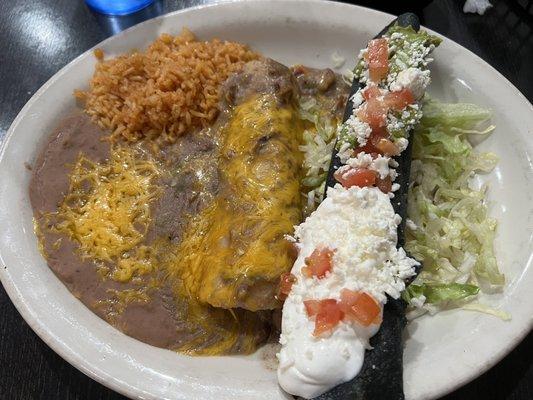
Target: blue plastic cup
(118,7)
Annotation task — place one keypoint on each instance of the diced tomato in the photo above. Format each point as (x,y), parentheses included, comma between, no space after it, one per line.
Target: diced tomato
(371,144)
(374,110)
(313,307)
(374,113)
(371,92)
(369,147)
(328,318)
(376,136)
(285,285)
(361,177)
(348,297)
(377,57)
(399,100)
(318,263)
(385,146)
(385,185)
(327,314)
(359,307)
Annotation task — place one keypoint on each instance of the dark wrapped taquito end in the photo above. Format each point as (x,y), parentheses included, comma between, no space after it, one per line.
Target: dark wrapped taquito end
(381,377)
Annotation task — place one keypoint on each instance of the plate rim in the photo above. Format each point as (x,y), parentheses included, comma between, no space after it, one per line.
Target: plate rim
(90,369)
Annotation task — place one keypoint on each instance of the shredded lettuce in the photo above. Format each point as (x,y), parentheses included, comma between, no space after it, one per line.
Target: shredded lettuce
(449,230)
(319,140)
(455,115)
(436,293)
(487,310)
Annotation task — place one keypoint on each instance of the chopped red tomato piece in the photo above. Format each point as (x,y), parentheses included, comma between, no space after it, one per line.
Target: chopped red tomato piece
(361,177)
(348,297)
(327,319)
(367,148)
(385,185)
(318,263)
(371,92)
(327,314)
(370,146)
(359,307)
(313,307)
(378,133)
(374,113)
(399,100)
(285,285)
(385,146)
(377,57)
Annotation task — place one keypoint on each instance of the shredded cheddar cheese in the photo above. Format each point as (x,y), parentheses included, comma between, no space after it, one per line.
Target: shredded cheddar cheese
(107,210)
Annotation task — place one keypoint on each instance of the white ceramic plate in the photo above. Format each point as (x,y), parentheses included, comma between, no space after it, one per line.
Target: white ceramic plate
(442,352)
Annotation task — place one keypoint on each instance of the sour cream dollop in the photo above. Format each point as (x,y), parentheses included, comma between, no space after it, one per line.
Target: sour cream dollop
(360,224)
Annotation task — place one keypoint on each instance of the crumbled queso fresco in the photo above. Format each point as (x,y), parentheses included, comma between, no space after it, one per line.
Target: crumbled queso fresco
(408,70)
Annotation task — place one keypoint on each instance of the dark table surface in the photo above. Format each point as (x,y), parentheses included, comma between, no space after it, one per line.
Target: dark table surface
(38,37)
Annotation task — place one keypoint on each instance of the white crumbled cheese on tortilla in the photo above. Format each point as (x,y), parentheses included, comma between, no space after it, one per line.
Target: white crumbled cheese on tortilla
(395,187)
(397,35)
(476,6)
(337,60)
(361,226)
(407,120)
(393,123)
(357,99)
(413,79)
(365,77)
(417,59)
(380,164)
(357,129)
(402,144)
(345,152)
(362,160)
